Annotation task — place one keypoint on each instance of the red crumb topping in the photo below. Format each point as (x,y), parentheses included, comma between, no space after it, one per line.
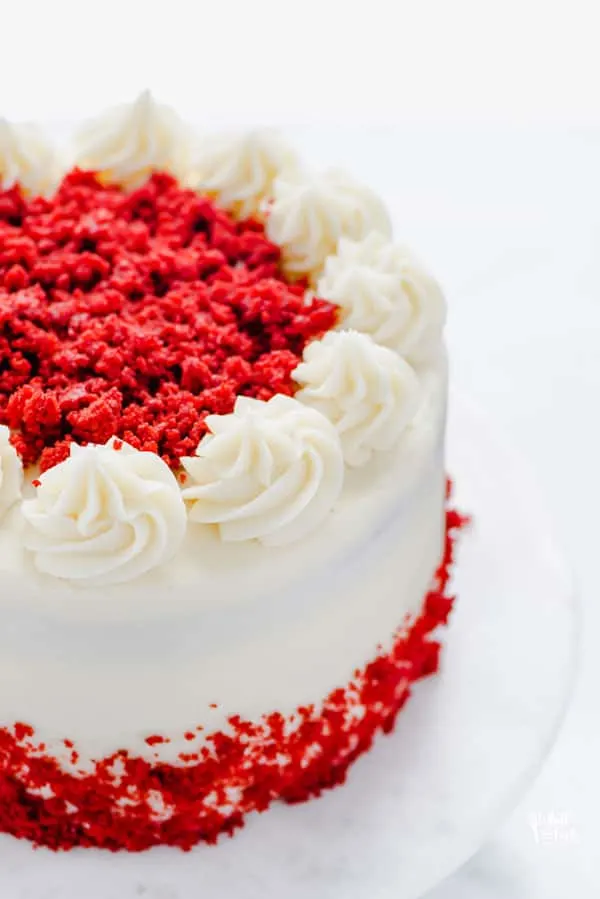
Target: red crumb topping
(234,773)
(155,740)
(137,315)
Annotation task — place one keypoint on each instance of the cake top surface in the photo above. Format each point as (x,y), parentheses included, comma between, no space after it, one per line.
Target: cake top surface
(137,314)
(193,329)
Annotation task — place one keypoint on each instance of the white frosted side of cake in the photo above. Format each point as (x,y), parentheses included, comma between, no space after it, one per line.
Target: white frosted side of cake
(250,628)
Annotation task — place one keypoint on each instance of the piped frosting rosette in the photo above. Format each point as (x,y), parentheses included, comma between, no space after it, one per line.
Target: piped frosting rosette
(369,393)
(27,158)
(106,515)
(269,471)
(383,290)
(310,213)
(130,141)
(239,169)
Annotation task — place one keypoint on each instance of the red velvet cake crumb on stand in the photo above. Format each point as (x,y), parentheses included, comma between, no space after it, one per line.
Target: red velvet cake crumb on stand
(132,804)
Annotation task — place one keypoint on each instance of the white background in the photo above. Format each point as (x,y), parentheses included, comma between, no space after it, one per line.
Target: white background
(480,124)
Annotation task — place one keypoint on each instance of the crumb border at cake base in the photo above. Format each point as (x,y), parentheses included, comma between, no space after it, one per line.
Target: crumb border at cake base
(127,803)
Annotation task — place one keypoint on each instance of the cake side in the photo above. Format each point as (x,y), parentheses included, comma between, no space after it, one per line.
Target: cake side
(125,802)
(311,621)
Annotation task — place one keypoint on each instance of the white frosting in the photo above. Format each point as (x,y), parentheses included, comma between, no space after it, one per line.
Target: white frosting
(26,158)
(384,291)
(105,515)
(11,472)
(239,170)
(310,214)
(367,391)
(130,141)
(269,470)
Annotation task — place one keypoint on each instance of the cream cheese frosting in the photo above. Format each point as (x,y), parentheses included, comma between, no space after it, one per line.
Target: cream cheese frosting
(269,471)
(239,169)
(11,472)
(26,158)
(105,515)
(310,213)
(367,391)
(384,291)
(129,142)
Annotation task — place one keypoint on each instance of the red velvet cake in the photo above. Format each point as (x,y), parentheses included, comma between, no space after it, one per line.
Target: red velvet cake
(225,540)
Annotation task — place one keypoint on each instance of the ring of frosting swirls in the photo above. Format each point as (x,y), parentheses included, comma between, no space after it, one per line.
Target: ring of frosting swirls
(367,391)
(107,514)
(269,471)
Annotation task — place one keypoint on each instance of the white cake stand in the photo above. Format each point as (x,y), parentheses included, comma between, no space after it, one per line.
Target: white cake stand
(466,747)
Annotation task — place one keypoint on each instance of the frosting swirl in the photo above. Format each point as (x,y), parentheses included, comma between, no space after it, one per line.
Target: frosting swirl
(11,472)
(105,515)
(309,214)
(239,170)
(367,391)
(269,471)
(26,158)
(129,142)
(384,291)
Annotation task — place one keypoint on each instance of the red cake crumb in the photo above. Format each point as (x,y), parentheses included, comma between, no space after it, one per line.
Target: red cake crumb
(23,731)
(234,773)
(137,315)
(156,740)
